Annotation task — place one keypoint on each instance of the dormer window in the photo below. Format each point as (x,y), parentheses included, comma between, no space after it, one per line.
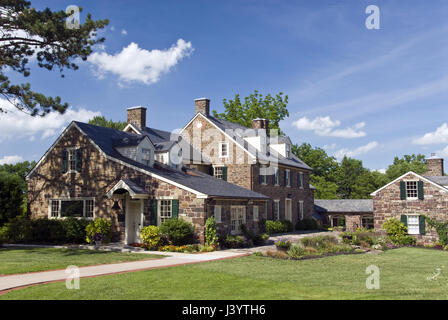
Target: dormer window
(288,151)
(146,156)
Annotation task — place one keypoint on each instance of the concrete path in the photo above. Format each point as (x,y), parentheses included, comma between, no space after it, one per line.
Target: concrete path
(9,282)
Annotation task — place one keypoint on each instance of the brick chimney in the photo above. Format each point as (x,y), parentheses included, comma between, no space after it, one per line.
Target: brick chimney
(434,166)
(137,117)
(202,105)
(260,123)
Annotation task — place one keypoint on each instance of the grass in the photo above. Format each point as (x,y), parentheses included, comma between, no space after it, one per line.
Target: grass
(403,275)
(21,260)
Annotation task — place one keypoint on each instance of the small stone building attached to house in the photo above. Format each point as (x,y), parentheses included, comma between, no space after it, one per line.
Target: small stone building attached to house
(411,196)
(348,213)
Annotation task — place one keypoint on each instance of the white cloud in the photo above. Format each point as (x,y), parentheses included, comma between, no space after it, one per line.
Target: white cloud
(16,124)
(438,136)
(324,126)
(124,32)
(140,65)
(383,170)
(356,152)
(10,159)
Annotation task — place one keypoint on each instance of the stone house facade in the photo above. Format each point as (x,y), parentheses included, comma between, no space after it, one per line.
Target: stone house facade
(92,172)
(254,159)
(411,196)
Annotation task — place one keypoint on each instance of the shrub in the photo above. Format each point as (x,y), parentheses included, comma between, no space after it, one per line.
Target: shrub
(211,235)
(397,232)
(232,241)
(178,231)
(260,239)
(363,237)
(18,229)
(150,237)
(277,254)
(319,242)
(280,226)
(47,230)
(306,224)
(296,251)
(99,225)
(74,229)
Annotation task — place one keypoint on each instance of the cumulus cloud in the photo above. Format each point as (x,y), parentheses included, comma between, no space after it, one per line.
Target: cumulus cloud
(140,65)
(124,32)
(16,124)
(356,152)
(325,126)
(10,159)
(383,170)
(438,136)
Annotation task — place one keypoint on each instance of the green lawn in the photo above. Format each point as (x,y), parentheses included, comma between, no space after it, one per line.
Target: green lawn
(21,260)
(403,275)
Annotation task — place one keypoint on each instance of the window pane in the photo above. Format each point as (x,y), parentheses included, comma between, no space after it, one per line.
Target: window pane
(74,208)
(55,208)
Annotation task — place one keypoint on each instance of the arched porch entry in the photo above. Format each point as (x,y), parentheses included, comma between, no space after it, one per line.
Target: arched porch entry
(133,196)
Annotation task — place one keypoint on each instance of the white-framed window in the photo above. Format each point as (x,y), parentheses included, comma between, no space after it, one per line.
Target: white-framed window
(300,180)
(276,210)
(218,172)
(75,207)
(237,218)
(165,211)
(300,210)
(217,214)
(162,157)
(288,150)
(263,175)
(411,190)
(413,224)
(287,178)
(223,149)
(288,209)
(71,159)
(146,156)
(255,213)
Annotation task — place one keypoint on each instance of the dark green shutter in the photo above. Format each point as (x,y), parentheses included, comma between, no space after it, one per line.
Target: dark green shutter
(404,220)
(78,160)
(224,173)
(273,177)
(421,194)
(174,208)
(422,223)
(154,212)
(291,182)
(64,161)
(402,190)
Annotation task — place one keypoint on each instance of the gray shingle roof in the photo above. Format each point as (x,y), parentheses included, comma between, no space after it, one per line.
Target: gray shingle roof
(441,180)
(344,206)
(135,187)
(200,182)
(293,161)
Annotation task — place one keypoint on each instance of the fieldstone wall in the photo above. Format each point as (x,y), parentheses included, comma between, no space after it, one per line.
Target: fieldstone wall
(387,204)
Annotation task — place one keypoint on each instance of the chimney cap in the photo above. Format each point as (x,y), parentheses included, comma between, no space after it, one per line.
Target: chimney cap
(136,107)
(199,99)
(434,156)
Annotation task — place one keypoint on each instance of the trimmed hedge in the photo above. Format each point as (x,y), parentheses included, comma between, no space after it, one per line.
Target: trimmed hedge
(280,226)
(306,224)
(178,231)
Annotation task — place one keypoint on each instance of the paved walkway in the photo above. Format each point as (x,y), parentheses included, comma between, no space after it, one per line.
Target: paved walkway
(174,259)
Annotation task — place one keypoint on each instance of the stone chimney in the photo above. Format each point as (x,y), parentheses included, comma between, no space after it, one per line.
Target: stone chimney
(434,166)
(137,117)
(259,123)
(202,105)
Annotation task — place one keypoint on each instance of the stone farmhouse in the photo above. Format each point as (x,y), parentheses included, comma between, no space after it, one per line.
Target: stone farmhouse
(142,176)
(411,196)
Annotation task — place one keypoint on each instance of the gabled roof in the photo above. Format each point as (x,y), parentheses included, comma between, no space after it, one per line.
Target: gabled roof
(135,191)
(198,183)
(442,180)
(229,127)
(344,206)
(427,179)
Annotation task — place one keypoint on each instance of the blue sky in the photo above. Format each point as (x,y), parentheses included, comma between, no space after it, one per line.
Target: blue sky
(370,94)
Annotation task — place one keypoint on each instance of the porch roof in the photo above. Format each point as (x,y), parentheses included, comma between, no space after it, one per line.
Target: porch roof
(135,191)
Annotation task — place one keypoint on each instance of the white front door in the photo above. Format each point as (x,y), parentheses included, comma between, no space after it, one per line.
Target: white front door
(133,221)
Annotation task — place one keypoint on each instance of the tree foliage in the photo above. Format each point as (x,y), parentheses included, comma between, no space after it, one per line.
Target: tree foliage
(102,122)
(255,106)
(405,164)
(28,34)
